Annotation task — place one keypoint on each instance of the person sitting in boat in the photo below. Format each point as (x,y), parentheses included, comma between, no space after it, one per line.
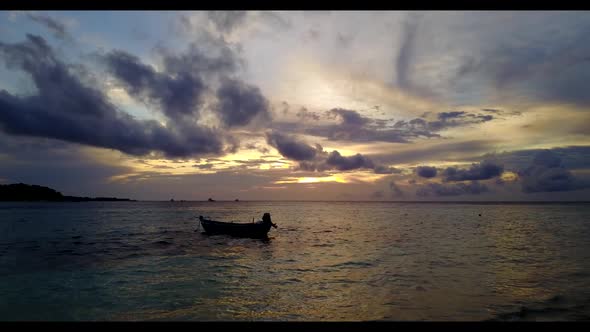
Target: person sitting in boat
(266,220)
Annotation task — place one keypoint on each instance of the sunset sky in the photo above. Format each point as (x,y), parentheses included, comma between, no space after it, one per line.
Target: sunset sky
(297,105)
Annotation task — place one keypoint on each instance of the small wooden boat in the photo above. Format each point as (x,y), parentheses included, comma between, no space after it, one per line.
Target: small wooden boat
(257,229)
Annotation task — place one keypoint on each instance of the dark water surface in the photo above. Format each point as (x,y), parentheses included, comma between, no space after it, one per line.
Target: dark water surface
(326,261)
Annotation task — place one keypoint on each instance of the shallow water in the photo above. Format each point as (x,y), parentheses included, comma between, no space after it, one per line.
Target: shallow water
(326,261)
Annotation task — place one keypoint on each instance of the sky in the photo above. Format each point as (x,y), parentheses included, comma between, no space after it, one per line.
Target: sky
(297,105)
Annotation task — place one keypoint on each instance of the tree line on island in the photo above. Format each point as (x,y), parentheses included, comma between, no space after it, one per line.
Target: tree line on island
(24,192)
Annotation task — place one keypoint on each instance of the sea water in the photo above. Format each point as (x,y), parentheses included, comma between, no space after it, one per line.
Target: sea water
(327,261)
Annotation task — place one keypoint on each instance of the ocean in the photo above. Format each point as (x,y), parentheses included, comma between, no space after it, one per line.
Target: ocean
(326,261)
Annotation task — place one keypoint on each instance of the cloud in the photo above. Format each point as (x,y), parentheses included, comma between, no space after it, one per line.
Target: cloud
(444,151)
(176,95)
(261,149)
(66,109)
(482,171)
(554,70)
(54,25)
(240,103)
(227,21)
(426,171)
(335,161)
(570,157)
(438,189)
(355,127)
(341,163)
(207,58)
(546,158)
(406,56)
(316,159)
(350,118)
(179,88)
(381,169)
(395,190)
(304,114)
(450,115)
(546,174)
(290,147)
(204,166)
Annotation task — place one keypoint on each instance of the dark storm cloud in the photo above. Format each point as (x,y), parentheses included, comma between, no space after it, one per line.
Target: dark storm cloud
(227,21)
(571,157)
(546,158)
(66,109)
(179,88)
(316,159)
(355,127)
(450,120)
(482,171)
(335,161)
(349,117)
(340,133)
(176,95)
(547,174)
(290,147)
(240,103)
(55,26)
(437,189)
(449,115)
(426,171)
(341,163)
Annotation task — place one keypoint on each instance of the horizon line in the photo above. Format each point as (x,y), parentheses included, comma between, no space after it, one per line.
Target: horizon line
(365,201)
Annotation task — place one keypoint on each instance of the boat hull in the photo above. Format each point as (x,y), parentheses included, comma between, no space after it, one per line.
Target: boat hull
(253,230)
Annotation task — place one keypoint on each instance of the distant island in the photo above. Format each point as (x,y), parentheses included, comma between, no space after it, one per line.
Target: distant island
(33,193)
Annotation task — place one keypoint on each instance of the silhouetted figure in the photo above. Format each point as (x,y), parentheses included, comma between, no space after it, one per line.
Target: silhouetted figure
(266,220)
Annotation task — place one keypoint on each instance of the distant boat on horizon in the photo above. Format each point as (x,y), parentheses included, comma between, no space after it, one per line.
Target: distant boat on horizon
(211,199)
